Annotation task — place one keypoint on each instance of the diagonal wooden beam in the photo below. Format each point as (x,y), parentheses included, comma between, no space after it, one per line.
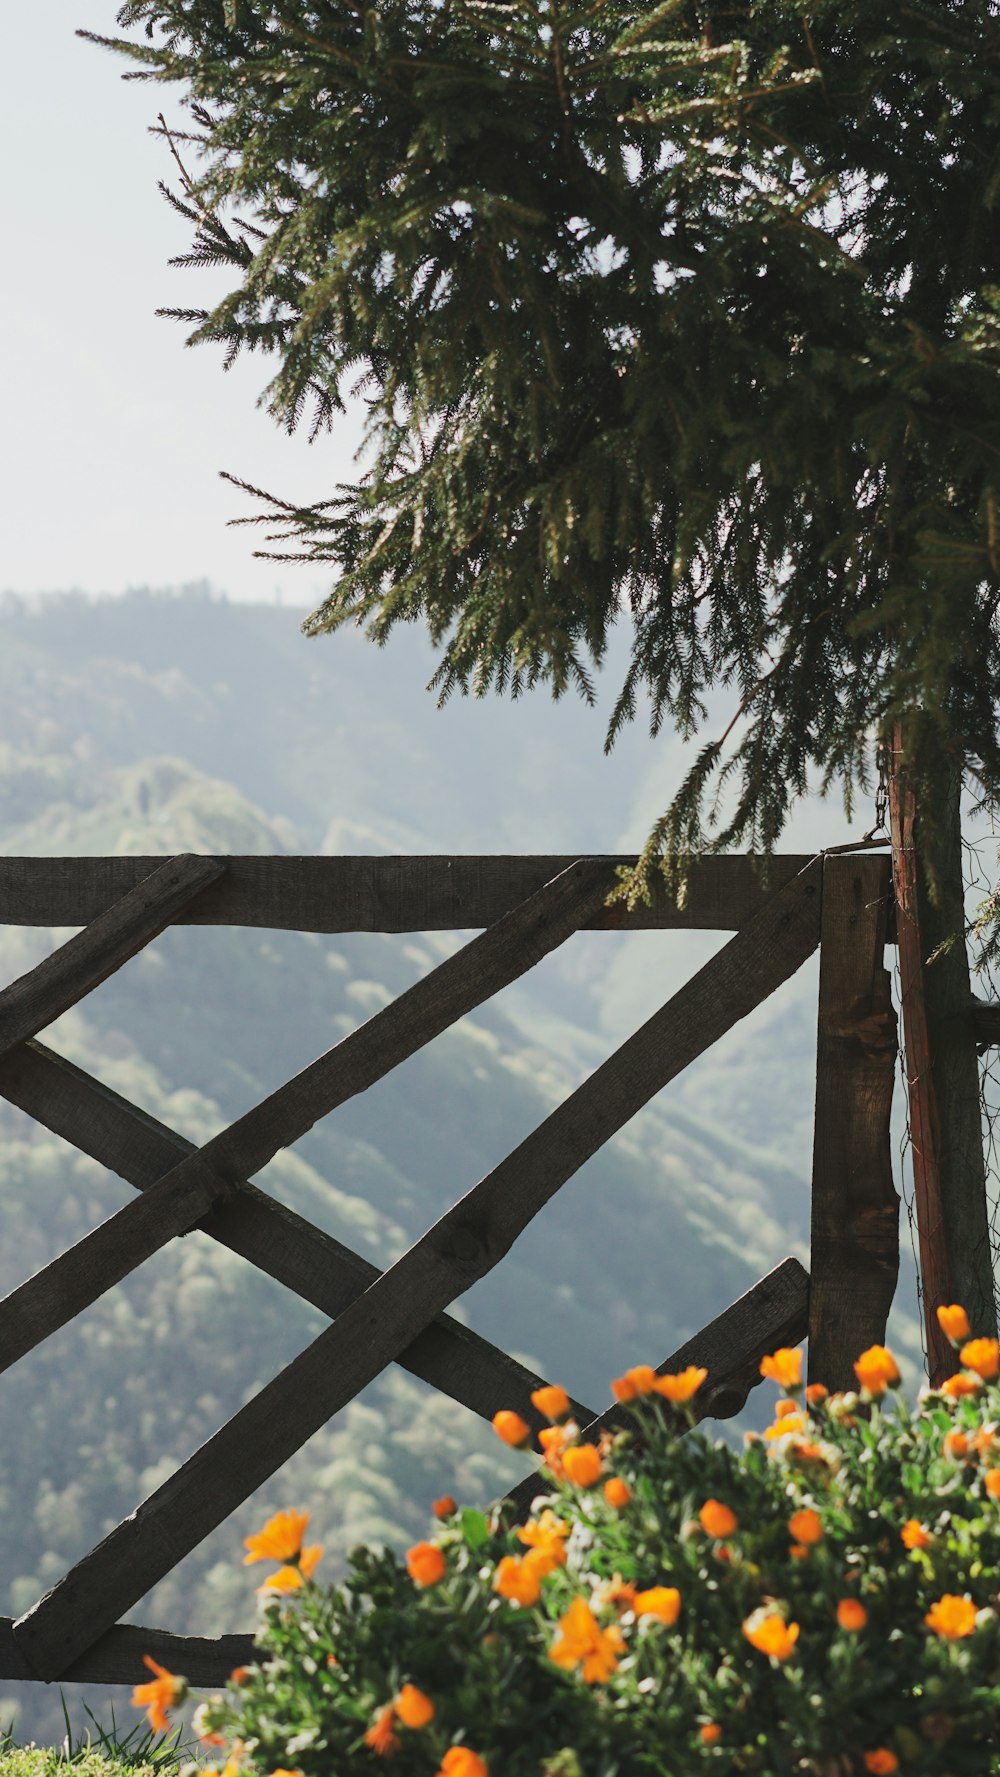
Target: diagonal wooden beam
(773,1313)
(179,1199)
(90,956)
(460,1248)
(282,1244)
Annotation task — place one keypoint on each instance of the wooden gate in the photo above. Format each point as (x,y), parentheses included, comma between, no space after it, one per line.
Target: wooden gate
(528,906)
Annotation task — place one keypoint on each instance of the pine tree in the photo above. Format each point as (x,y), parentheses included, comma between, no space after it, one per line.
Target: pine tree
(681,317)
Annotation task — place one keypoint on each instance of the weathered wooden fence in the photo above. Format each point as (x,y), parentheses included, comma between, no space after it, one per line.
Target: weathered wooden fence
(528,906)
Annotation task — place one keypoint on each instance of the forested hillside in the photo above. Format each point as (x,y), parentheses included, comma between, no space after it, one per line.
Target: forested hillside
(156,724)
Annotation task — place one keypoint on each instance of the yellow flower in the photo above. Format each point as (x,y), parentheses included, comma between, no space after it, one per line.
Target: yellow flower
(851,1614)
(413,1708)
(915,1535)
(876,1370)
(806,1526)
(681,1387)
(983,1356)
(783,1367)
(787,1425)
(425,1564)
(280,1539)
(954,1323)
(381,1736)
(582,1640)
(662,1602)
(880,1762)
(582,1463)
(616,1492)
(552,1401)
(162,1693)
(952,1617)
(717,1519)
(519,1578)
(767,1631)
(511,1428)
(288,1578)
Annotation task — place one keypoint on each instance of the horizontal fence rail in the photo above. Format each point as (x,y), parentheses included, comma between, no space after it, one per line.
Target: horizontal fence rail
(430,894)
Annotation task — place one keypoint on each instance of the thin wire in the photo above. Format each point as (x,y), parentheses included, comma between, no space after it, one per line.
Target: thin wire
(977,880)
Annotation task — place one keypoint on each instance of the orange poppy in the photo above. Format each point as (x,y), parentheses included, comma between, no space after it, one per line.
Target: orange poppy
(280,1539)
(681,1387)
(444,1507)
(511,1428)
(582,1641)
(381,1736)
(983,1356)
(717,1519)
(425,1564)
(552,1401)
(163,1692)
(662,1602)
(783,1367)
(413,1708)
(806,1526)
(582,1463)
(876,1370)
(954,1323)
(616,1492)
(851,1614)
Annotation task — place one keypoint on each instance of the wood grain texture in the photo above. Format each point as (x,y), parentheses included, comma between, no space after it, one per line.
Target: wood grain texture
(108,941)
(460,1248)
(117,1657)
(180,1198)
(854,1259)
(379,894)
(775,1312)
(280,1243)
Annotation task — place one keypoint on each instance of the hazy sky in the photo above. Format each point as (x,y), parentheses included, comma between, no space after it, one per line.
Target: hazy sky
(113,432)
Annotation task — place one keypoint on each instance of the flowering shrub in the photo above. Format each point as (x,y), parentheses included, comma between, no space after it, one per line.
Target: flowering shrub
(823,1602)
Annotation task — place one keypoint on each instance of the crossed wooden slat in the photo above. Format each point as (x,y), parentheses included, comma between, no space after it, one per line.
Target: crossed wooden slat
(398,1308)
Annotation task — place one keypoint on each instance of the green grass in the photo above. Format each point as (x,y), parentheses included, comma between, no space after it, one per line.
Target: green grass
(140,1753)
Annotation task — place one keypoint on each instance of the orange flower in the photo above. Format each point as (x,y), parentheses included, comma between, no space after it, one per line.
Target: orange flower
(581,1639)
(991,1481)
(798,1551)
(786,1425)
(616,1492)
(804,1450)
(425,1564)
(783,1367)
(288,1578)
(881,1762)
(717,1519)
(519,1578)
(957,1386)
(239,1675)
(512,1428)
(552,1401)
(555,1439)
(767,1631)
(782,1409)
(710,1733)
(163,1692)
(444,1507)
(381,1736)
(952,1617)
(545,1537)
(954,1323)
(641,1379)
(582,1463)
(851,1614)
(413,1708)
(280,1539)
(461,1761)
(681,1387)
(876,1370)
(985,1438)
(983,1356)
(618,1593)
(816,1394)
(956,1445)
(915,1535)
(806,1526)
(662,1602)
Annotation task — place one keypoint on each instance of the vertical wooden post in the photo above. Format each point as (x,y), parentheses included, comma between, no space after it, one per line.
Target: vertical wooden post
(855,1208)
(949,1181)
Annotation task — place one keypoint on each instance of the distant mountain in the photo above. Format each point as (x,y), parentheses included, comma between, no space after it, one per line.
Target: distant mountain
(155,724)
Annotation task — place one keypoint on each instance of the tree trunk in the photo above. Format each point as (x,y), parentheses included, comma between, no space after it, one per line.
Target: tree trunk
(942,1066)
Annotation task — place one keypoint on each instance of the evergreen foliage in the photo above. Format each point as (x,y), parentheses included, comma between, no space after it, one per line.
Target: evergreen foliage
(680,315)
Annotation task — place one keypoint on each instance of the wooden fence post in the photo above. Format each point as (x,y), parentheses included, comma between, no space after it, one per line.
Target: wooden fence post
(855,1208)
(942,1074)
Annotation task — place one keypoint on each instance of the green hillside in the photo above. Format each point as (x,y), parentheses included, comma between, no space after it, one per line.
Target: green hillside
(147,725)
